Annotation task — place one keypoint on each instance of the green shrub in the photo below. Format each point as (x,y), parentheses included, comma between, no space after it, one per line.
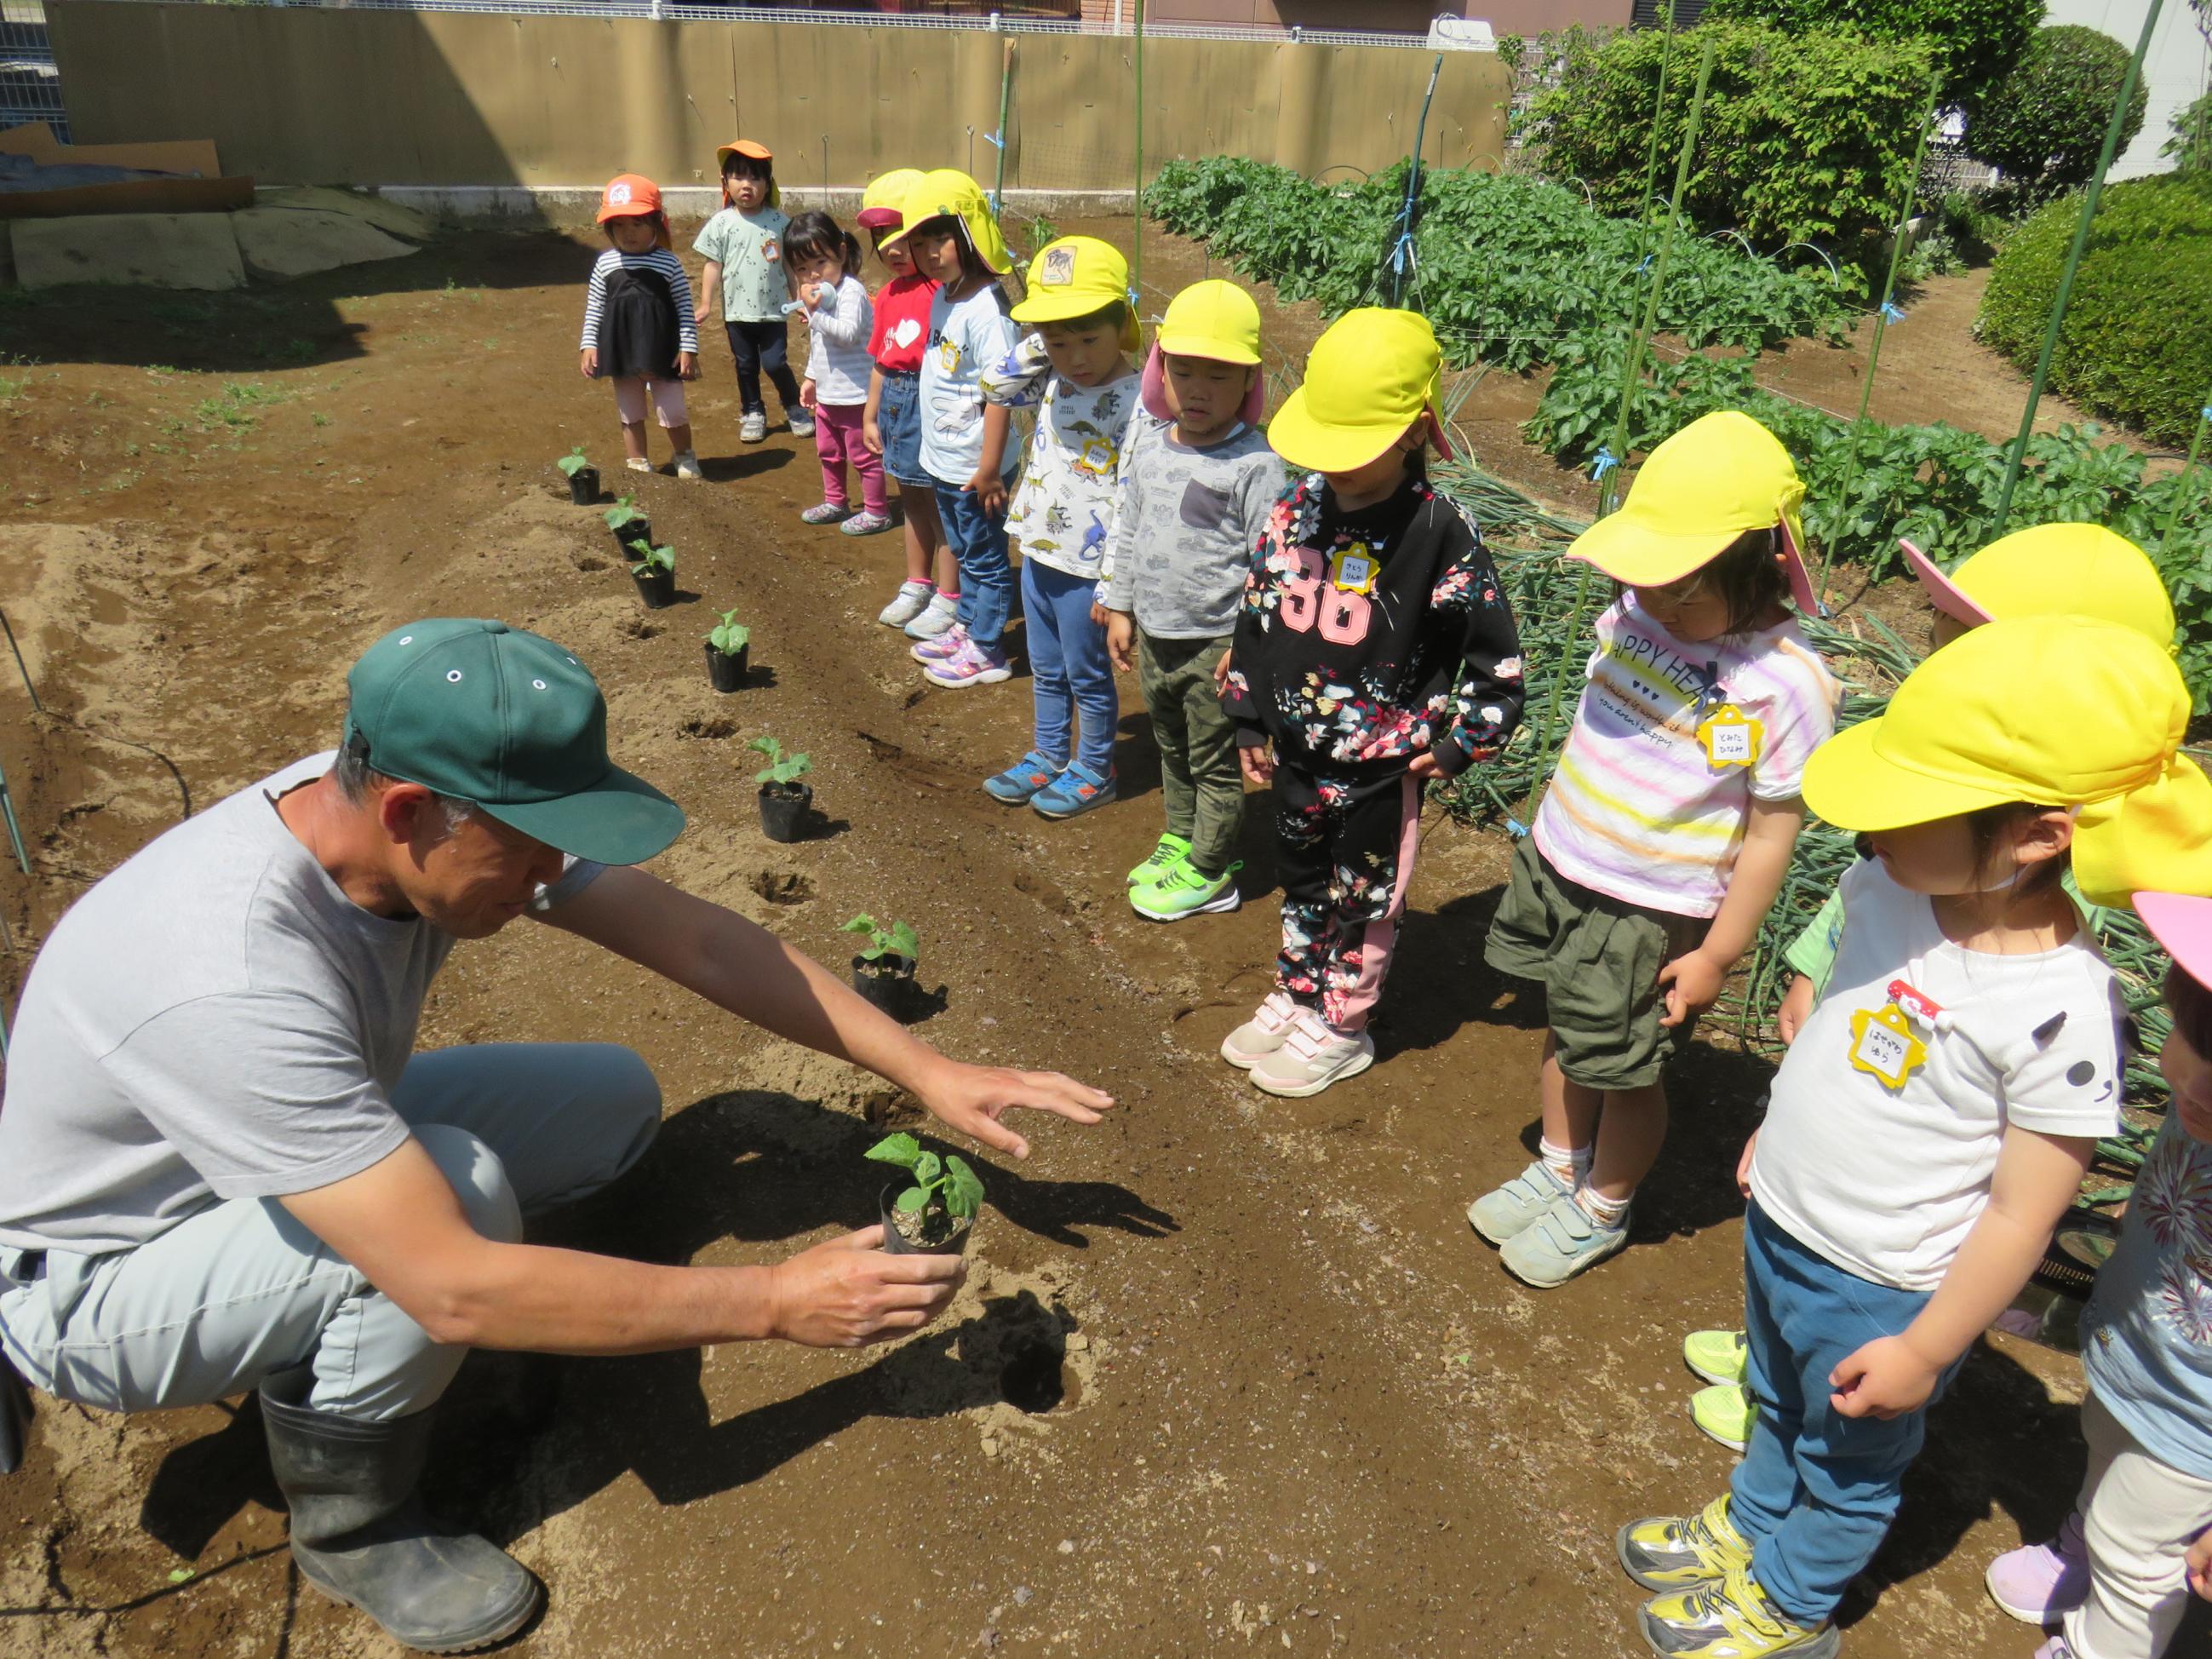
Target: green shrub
(2137,342)
(1806,137)
(1507,265)
(2042,120)
(2191,144)
(1973,39)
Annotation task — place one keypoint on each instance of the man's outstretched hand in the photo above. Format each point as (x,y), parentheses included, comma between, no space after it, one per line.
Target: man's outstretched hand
(972,1099)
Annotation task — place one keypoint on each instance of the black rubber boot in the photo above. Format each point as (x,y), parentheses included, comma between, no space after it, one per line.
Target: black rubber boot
(361,1536)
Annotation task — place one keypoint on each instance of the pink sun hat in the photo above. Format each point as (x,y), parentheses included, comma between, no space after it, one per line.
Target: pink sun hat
(1946,595)
(2182,924)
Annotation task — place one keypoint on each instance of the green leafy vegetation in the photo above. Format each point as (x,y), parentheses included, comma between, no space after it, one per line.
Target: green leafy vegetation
(2042,120)
(624,517)
(650,559)
(573,462)
(1804,138)
(1973,40)
(2137,341)
(895,938)
(945,1193)
(1508,265)
(782,771)
(729,637)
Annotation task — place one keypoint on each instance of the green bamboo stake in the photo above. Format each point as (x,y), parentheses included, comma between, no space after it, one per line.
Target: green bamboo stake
(2181,478)
(1005,93)
(2058,304)
(1634,370)
(1880,326)
(1137,238)
(1651,148)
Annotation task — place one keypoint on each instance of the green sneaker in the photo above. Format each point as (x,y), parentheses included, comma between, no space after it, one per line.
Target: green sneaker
(1717,1356)
(1171,851)
(1725,1410)
(1183,892)
(1734,1619)
(1679,1552)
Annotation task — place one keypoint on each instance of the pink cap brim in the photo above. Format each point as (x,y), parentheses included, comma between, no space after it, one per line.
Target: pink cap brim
(2184,925)
(1153,390)
(1801,579)
(1946,595)
(878,219)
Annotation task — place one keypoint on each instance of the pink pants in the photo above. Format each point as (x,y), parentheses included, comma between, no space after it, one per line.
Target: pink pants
(667,400)
(837,439)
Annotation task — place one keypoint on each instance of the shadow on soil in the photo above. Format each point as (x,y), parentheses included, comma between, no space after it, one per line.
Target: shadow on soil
(525,1437)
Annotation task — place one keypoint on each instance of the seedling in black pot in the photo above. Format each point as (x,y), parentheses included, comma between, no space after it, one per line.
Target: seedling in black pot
(631,527)
(583,477)
(727,642)
(654,572)
(883,971)
(934,1213)
(783,799)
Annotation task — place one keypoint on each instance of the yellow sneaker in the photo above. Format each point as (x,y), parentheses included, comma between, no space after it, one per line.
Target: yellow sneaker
(1676,1551)
(1732,1619)
(1717,1356)
(1726,1413)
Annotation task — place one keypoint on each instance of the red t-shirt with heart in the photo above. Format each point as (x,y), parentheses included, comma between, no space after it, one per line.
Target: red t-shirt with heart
(902,330)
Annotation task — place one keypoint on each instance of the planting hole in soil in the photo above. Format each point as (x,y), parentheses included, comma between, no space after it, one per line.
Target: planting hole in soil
(783,887)
(1037,1378)
(711,725)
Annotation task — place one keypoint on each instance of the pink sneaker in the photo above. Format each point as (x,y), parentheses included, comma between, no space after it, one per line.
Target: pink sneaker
(2038,1582)
(972,664)
(943,647)
(2055,1648)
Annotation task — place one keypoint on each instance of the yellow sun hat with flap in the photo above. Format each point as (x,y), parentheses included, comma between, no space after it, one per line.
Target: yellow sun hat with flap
(1371,376)
(1078,277)
(948,194)
(2060,711)
(2052,570)
(882,205)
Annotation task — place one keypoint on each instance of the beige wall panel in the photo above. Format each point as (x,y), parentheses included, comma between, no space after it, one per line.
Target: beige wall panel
(316,96)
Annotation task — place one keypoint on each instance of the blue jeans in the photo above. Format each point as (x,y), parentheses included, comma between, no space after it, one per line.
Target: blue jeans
(1816,1491)
(898,417)
(1074,681)
(986,576)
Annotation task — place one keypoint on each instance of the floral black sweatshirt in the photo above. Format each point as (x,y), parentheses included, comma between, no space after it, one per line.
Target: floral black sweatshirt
(1365,638)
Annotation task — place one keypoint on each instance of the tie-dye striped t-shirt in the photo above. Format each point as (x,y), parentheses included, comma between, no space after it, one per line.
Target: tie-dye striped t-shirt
(1637,810)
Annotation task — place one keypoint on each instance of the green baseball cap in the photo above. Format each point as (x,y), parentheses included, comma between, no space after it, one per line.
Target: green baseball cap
(511,722)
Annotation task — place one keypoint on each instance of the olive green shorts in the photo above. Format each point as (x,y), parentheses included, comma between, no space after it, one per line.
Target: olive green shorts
(1598,959)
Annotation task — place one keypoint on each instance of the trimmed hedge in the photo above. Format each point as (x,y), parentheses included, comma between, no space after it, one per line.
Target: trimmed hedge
(1806,137)
(2042,120)
(1974,39)
(2137,342)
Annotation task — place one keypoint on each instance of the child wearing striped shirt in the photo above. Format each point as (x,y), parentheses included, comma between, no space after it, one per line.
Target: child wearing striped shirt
(638,327)
(1668,827)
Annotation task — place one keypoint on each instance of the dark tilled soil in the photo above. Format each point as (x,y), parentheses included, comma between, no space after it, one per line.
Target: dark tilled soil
(1228,1374)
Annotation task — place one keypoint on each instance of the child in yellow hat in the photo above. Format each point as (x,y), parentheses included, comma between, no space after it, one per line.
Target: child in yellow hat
(946,224)
(890,424)
(1931,1123)
(1199,482)
(742,247)
(1668,826)
(2050,570)
(1074,370)
(1374,650)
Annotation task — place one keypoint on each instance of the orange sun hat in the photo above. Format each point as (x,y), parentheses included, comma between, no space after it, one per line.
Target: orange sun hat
(633,196)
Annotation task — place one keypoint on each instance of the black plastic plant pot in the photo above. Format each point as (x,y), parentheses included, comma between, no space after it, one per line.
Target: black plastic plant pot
(726,669)
(638,532)
(783,811)
(897,1243)
(584,486)
(888,982)
(657,587)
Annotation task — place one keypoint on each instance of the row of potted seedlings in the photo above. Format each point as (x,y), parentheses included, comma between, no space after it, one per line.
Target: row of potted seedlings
(934,1211)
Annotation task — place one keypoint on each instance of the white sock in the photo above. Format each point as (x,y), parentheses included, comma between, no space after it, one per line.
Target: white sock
(1605,1212)
(1569,1165)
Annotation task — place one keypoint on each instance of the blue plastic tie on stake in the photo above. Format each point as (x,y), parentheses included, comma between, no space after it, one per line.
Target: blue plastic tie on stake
(1644,265)
(1607,460)
(993,197)
(1892,312)
(1515,829)
(2205,413)
(995,141)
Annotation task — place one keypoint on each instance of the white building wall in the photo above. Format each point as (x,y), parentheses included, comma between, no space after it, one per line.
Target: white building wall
(2174,71)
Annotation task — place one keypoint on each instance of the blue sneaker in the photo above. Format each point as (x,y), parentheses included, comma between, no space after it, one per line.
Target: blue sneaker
(1019,781)
(1076,790)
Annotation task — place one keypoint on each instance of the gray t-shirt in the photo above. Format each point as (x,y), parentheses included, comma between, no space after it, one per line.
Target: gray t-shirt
(1183,536)
(214,1019)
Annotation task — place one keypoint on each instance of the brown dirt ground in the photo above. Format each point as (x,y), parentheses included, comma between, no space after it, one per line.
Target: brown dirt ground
(1301,1407)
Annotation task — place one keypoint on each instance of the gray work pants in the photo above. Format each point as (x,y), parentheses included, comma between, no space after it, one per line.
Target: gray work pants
(240,1290)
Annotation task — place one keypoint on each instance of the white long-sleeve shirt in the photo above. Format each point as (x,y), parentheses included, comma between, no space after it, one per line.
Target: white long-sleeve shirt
(839,363)
(680,287)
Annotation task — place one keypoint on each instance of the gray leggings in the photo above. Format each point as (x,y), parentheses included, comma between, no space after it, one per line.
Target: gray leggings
(241,1290)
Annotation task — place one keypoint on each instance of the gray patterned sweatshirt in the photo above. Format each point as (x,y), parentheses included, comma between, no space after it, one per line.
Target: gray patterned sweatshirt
(1182,543)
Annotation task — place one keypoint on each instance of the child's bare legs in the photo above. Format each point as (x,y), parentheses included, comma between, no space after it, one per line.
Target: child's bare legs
(633,440)
(1630,1131)
(924,536)
(679,437)
(1571,1113)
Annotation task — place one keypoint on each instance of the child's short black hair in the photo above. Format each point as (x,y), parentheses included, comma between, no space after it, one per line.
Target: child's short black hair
(817,236)
(1110,316)
(971,262)
(747,167)
(2190,1004)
